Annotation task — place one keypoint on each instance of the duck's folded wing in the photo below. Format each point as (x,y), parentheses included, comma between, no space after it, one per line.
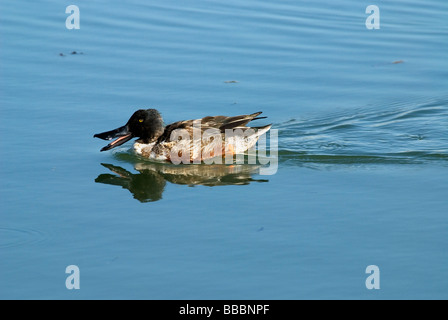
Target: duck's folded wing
(238,121)
(217,122)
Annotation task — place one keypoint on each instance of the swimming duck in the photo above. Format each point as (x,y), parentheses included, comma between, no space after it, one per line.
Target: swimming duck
(191,140)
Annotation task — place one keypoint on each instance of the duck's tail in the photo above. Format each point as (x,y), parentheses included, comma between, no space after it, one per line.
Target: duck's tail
(262,130)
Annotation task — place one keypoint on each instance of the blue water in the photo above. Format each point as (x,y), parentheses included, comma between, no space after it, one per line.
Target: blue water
(363,150)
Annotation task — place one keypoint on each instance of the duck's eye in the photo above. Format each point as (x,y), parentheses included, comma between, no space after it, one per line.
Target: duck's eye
(140,120)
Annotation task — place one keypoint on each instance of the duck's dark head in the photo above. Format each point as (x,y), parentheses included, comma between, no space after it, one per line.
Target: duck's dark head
(147,125)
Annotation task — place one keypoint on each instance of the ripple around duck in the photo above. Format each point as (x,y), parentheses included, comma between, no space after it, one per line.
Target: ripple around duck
(400,133)
(406,133)
(15,237)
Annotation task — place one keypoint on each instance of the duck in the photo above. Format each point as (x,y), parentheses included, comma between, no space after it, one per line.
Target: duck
(186,141)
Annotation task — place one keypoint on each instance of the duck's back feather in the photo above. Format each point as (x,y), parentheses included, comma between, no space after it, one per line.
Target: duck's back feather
(222,123)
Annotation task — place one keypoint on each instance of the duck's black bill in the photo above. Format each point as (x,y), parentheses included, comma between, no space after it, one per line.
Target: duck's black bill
(122,134)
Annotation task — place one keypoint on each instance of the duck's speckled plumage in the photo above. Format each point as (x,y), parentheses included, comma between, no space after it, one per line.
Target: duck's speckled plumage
(191,140)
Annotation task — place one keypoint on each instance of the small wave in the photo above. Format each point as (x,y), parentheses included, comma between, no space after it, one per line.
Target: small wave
(14,237)
(406,133)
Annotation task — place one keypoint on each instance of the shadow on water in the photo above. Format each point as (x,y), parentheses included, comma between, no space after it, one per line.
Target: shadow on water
(149,183)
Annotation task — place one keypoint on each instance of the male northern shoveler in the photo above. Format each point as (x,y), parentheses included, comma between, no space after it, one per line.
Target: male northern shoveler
(196,140)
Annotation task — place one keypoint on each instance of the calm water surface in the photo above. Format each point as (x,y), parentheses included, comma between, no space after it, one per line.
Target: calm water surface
(363,150)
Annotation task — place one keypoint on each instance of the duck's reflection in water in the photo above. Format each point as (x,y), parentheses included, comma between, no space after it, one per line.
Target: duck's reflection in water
(149,183)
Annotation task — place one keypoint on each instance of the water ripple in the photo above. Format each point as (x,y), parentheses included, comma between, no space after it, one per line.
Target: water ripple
(15,237)
(400,133)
